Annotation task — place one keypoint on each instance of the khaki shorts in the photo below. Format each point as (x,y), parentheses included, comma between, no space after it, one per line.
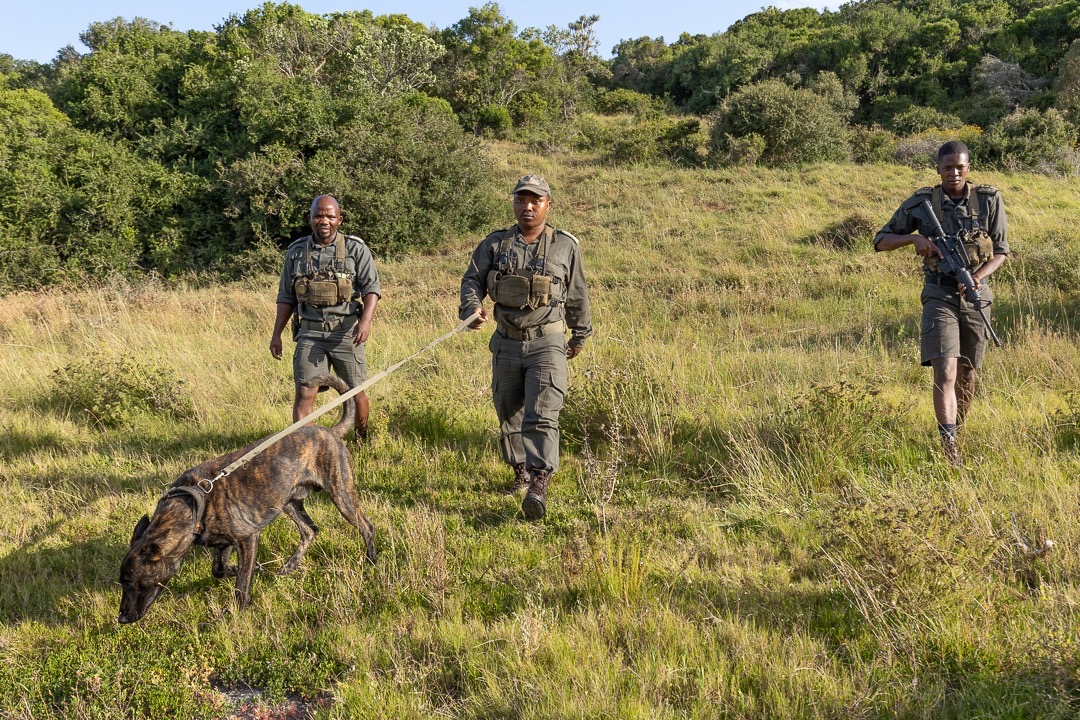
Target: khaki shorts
(318,352)
(951,328)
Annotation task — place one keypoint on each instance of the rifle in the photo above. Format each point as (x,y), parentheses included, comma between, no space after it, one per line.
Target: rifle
(954,261)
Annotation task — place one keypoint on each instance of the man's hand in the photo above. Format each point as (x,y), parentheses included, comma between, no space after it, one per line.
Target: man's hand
(475,325)
(925,247)
(362,331)
(963,288)
(275,346)
(572,351)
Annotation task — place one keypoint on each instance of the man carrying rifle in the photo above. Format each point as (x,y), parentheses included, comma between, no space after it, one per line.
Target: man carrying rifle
(954,330)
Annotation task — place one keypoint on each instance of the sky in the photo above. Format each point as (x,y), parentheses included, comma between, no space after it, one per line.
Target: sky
(38,30)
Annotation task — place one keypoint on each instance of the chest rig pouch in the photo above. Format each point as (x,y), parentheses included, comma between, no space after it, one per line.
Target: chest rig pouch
(327,287)
(978,245)
(520,288)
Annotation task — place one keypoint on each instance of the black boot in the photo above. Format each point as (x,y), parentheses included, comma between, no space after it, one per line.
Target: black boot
(534,505)
(521,480)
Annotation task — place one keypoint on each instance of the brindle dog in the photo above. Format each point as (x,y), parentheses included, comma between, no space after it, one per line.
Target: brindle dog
(231,515)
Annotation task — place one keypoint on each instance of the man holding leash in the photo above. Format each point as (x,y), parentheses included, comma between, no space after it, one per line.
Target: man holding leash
(954,334)
(536,278)
(329,289)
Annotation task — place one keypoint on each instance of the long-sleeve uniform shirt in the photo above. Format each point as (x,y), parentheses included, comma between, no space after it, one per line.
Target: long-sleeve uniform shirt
(563,262)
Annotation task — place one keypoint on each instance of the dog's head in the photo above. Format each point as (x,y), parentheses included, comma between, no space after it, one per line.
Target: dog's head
(157,547)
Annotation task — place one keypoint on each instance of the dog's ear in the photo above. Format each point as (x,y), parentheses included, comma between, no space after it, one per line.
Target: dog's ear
(140,528)
(152,552)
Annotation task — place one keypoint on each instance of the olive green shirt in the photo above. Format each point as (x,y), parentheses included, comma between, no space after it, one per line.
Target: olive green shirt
(912,217)
(569,292)
(359,263)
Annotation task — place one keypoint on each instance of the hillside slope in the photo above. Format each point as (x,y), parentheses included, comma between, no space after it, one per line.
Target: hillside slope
(752,519)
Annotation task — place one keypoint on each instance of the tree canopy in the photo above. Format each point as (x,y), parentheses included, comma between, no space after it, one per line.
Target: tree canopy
(198,152)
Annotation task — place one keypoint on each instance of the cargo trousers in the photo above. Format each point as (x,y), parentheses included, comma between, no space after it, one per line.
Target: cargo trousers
(528,386)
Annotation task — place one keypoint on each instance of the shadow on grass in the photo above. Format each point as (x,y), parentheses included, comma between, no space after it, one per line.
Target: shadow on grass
(41,582)
(15,444)
(438,427)
(118,463)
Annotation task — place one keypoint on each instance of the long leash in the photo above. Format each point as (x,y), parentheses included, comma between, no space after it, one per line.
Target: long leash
(239,463)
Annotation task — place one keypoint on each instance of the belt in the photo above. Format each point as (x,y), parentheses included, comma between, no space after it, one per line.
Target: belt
(533,332)
(939,279)
(324,325)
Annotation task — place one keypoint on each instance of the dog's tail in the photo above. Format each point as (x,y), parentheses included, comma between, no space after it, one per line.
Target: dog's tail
(348,408)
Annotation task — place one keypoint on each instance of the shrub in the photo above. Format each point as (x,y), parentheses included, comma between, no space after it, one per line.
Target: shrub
(742,150)
(73,204)
(493,121)
(626,101)
(797,126)
(406,175)
(1037,140)
(112,391)
(871,145)
(918,119)
(626,140)
(920,150)
(634,145)
(682,140)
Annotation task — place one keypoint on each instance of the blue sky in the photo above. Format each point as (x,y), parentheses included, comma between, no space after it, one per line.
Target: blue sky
(37,30)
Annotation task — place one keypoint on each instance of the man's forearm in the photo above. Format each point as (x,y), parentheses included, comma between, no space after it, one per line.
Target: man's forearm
(892,241)
(370,301)
(284,312)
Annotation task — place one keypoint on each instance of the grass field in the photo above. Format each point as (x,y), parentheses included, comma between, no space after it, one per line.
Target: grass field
(752,519)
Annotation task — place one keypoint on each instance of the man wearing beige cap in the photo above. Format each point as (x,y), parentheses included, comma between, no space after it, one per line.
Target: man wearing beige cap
(535,276)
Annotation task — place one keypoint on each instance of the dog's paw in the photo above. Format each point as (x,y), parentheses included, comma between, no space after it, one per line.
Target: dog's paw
(227,571)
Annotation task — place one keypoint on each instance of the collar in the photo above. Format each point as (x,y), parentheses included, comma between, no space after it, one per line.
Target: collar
(964,194)
(546,234)
(316,246)
(197,494)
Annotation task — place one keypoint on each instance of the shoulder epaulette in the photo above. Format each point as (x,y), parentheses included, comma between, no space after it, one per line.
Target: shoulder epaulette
(917,197)
(987,189)
(357,238)
(296,242)
(563,232)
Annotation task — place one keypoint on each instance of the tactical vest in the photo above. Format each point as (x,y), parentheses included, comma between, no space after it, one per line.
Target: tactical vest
(978,245)
(327,287)
(521,288)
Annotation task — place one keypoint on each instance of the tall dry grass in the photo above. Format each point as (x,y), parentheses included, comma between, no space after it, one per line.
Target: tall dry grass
(752,519)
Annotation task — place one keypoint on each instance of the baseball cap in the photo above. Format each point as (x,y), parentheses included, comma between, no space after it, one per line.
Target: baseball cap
(534,184)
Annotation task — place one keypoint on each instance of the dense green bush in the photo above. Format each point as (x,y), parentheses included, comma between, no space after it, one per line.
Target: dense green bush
(176,152)
(1041,141)
(622,100)
(796,125)
(493,121)
(633,140)
(919,119)
(871,144)
(73,204)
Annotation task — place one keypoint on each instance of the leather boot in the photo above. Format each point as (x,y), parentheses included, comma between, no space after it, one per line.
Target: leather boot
(952,450)
(534,505)
(521,480)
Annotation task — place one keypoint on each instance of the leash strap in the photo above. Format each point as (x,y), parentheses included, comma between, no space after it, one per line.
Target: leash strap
(240,462)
